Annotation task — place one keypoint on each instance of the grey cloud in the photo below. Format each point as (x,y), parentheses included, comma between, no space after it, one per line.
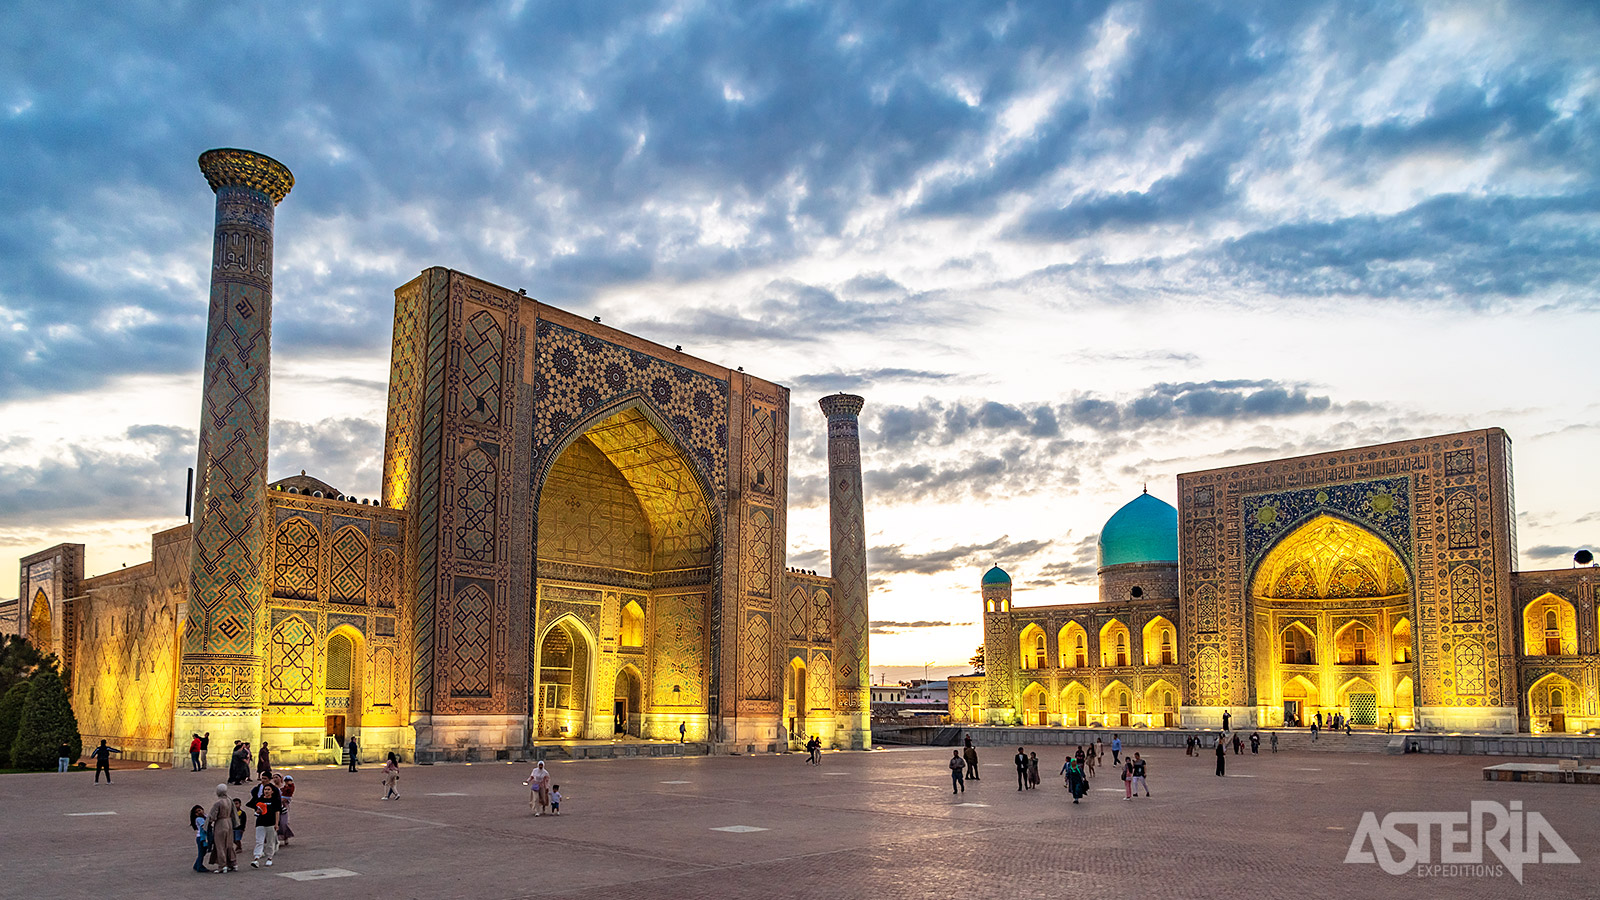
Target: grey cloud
(1202,187)
(1078,565)
(87,481)
(1543,552)
(937,422)
(346,453)
(895,559)
(860,378)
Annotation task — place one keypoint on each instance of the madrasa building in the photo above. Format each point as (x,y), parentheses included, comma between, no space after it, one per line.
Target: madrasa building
(581,535)
(1376,582)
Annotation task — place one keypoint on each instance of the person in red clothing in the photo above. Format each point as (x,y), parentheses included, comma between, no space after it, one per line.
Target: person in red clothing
(194,754)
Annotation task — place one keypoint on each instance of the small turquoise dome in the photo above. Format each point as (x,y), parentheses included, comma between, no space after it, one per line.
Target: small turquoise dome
(996,575)
(1143,531)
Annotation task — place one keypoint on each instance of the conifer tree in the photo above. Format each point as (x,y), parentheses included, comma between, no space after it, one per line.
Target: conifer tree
(11,717)
(47,723)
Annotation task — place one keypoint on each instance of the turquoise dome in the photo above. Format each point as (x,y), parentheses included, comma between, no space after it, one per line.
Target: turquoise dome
(1143,531)
(996,575)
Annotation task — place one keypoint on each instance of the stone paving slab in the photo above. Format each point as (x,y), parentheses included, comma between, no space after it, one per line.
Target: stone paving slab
(887,826)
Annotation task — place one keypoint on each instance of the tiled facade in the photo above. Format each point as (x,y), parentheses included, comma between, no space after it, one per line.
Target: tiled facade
(1376,582)
(581,534)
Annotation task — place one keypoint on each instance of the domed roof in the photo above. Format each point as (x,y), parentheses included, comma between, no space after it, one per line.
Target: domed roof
(304,484)
(996,575)
(1143,531)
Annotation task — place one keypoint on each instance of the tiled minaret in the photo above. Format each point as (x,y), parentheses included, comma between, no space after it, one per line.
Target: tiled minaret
(219,681)
(848,555)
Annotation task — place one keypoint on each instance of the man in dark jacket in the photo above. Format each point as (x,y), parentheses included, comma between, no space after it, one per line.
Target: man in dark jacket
(354,752)
(1021,760)
(102,761)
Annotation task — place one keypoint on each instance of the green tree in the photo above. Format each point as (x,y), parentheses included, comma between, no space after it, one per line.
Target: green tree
(11,717)
(47,723)
(976,662)
(19,659)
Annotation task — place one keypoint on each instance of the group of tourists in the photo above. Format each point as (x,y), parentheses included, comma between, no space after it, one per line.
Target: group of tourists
(199,746)
(1076,770)
(241,759)
(219,831)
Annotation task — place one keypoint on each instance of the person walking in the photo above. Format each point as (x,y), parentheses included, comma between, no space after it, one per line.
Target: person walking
(205,749)
(1222,756)
(816,750)
(1255,742)
(197,821)
(264,761)
(354,750)
(1138,777)
(539,788)
(1116,749)
(1238,745)
(1274,742)
(391,777)
(285,785)
(970,754)
(194,753)
(266,803)
(958,772)
(1127,780)
(683,732)
(1033,770)
(1021,762)
(102,761)
(63,757)
(1100,749)
(241,818)
(219,825)
(1077,785)
(1088,764)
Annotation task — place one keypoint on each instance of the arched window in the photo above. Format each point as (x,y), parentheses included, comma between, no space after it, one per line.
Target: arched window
(632,625)
(1038,651)
(1122,649)
(1555,699)
(1166,647)
(1122,701)
(340,654)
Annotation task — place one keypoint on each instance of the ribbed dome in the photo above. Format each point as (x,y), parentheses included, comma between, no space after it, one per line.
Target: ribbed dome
(996,575)
(1143,531)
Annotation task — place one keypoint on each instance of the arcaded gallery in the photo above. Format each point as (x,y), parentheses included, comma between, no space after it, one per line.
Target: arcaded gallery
(1375,582)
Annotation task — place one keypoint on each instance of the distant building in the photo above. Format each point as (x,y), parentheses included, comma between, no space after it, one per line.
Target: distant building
(888,693)
(1376,582)
(929,692)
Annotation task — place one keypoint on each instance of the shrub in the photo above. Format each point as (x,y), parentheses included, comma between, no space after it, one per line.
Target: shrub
(47,723)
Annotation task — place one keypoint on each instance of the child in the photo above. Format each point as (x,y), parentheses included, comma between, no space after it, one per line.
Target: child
(197,818)
(238,825)
(555,800)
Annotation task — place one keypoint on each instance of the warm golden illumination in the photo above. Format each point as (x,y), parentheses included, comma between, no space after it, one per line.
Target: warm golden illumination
(1073,643)
(39,626)
(1031,648)
(1549,627)
(1329,558)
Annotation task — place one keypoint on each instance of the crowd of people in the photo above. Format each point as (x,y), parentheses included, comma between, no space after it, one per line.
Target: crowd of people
(219,832)
(1076,770)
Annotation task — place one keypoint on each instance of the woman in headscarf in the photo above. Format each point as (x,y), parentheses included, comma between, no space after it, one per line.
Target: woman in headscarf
(239,768)
(285,784)
(264,761)
(220,821)
(539,788)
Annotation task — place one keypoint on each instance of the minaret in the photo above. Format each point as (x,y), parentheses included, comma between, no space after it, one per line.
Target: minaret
(848,555)
(219,680)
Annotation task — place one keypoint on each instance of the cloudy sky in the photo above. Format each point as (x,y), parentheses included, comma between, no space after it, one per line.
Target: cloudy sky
(1063,248)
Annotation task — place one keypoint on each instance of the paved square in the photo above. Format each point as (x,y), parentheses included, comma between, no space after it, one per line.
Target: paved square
(889,827)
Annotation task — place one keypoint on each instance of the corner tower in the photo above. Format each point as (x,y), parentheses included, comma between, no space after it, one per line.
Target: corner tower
(848,555)
(219,682)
